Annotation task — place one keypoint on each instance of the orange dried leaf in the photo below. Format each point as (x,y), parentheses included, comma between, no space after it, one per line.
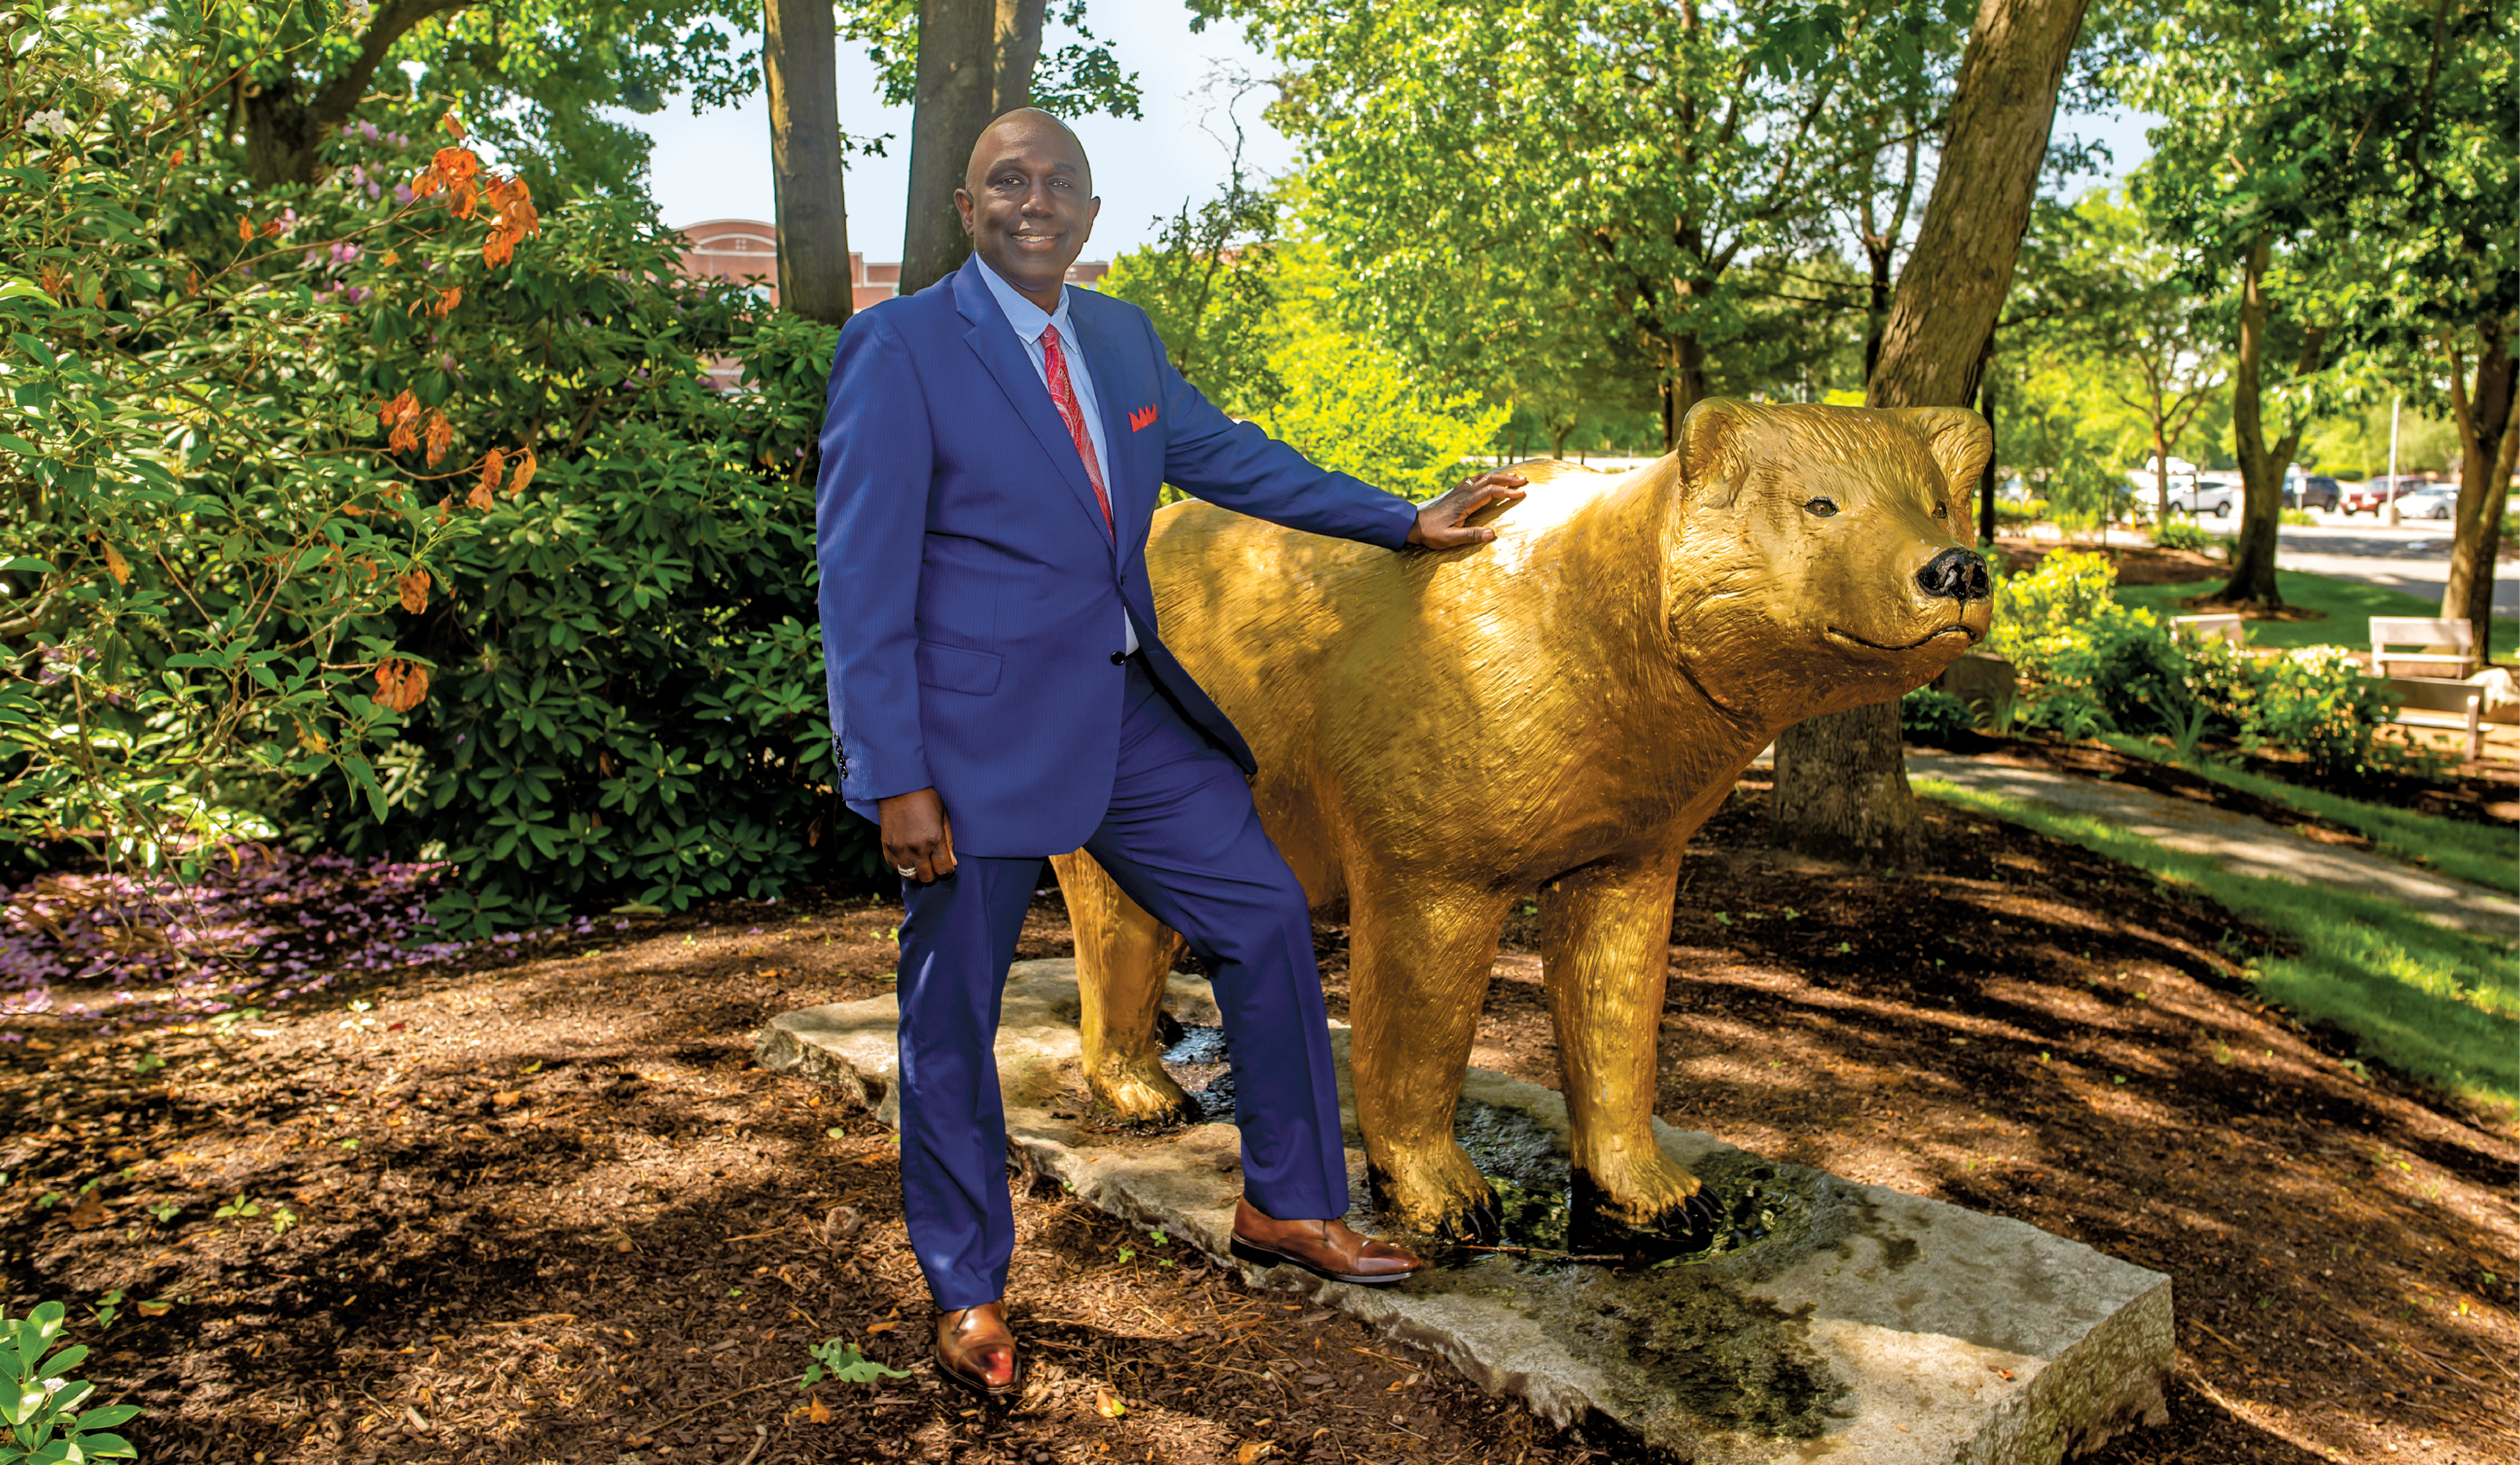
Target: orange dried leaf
(453,125)
(245,230)
(816,1412)
(440,433)
(1107,1403)
(117,566)
(526,465)
(401,686)
(88,1213)
(447,300)
(413,589)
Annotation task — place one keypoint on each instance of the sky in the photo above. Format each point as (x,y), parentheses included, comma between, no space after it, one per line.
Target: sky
(716,165)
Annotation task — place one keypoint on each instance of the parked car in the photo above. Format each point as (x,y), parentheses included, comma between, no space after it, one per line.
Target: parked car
(2314,491)
(2374,496)
(2430,501)
(2218,497)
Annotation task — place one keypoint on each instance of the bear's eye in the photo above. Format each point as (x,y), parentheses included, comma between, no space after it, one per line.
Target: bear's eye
(1938,510)
(1821,508)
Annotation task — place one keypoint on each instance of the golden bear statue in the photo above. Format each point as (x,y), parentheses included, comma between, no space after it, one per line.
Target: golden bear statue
(1442,735)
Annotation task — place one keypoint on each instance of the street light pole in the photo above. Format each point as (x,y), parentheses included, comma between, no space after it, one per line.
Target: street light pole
(2392,489)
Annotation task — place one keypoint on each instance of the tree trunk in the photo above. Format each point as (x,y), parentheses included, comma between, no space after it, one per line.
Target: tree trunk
(1986,480)
(955,85)
(805,165)
(2486,441)
(2262,469)
(1841,778)
(286,121)
(1018,49)
(1961,267)
(1876,303)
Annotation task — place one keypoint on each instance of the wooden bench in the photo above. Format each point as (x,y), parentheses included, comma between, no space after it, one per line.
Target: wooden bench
(2408,630)
(2441,703)
(2206,627)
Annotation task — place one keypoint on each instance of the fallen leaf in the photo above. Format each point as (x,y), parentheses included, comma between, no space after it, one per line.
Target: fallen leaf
(1253,1449)
(1107,1403)
(88,1213)
(887,1327)
(150,1310)
(506,1098)
(816,1413)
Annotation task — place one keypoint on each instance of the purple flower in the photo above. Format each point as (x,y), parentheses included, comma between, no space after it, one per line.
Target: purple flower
(402,193)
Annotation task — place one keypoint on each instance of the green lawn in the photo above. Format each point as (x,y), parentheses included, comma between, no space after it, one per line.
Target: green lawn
(2437,1003)
(2350,607)
(2474,853)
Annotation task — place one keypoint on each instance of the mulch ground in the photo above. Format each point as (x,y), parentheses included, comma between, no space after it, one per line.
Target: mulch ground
(542,1209)
(2137,564)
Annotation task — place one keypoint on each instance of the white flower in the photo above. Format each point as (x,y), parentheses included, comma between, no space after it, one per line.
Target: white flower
(111,86)
(356,12)
(53,121)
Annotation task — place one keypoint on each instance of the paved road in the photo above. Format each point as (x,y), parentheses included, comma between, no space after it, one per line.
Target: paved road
(2238,843)
(2413,557)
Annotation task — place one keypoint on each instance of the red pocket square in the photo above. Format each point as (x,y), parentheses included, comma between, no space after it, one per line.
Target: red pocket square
(1142,418)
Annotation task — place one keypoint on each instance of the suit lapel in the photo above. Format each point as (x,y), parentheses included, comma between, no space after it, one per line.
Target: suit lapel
(1115,387)
(994,342)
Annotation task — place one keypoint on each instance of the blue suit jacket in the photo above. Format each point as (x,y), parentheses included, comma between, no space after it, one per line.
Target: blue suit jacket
(970,594)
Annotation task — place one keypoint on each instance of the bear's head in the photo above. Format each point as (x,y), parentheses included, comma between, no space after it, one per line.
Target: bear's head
(1823,557)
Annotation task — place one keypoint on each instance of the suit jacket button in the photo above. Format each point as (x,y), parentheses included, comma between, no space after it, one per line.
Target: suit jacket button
(1119,657)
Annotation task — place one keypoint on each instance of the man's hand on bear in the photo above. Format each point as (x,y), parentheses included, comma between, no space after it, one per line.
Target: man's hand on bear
(1439,523)
(918,838)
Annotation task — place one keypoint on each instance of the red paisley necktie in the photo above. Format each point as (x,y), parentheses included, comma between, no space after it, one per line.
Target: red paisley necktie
(1064,392)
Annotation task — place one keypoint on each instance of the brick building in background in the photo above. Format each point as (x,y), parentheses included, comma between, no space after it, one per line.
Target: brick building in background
(746,251)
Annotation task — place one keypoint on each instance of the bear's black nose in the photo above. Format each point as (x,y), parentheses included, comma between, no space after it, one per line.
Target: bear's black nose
(1955,575)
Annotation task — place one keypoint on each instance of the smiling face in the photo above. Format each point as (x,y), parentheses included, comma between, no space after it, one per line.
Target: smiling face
(1823,557)
(1027,201)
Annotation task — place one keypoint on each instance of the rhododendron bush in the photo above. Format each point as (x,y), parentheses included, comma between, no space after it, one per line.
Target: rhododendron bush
(390,513)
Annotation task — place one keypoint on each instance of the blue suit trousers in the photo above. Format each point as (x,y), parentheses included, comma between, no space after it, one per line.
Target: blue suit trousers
(1182,838)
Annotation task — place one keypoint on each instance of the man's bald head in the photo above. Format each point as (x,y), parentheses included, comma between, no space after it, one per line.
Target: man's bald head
(1019,131)
(1027,201)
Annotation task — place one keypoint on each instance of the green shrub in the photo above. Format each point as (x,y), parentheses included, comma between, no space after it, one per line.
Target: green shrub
(2089,665)
(630,703)
(385,513)
(2021,512)
(2182,534)
(2299,518)
(1930,714)
(39,1402)
(206,514)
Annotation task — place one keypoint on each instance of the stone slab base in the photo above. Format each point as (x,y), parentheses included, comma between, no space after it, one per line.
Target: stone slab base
(1867,1326)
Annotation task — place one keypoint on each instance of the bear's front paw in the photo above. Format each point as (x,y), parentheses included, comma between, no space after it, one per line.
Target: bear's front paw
(1663,1222)
(1441,1195)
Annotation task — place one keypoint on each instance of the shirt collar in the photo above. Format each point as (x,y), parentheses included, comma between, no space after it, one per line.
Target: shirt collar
(1028,318)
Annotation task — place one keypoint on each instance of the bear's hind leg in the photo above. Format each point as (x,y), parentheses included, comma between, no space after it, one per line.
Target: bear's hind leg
(1605,937)
(1123,956)
(1418,963)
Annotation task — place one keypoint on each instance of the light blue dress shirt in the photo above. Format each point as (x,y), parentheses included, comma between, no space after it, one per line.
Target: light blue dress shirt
(1029,321)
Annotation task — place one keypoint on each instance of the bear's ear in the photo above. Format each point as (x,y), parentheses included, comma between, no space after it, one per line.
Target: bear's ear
(1959,439)
(1715,447)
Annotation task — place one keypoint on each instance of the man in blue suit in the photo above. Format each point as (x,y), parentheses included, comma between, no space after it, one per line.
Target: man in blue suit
(1001,692)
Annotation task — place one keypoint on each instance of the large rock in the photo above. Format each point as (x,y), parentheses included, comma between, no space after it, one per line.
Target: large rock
(1862,1325)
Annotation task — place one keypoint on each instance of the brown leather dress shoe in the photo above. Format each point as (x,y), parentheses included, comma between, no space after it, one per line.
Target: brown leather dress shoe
(1324,1248)
(974,1350)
